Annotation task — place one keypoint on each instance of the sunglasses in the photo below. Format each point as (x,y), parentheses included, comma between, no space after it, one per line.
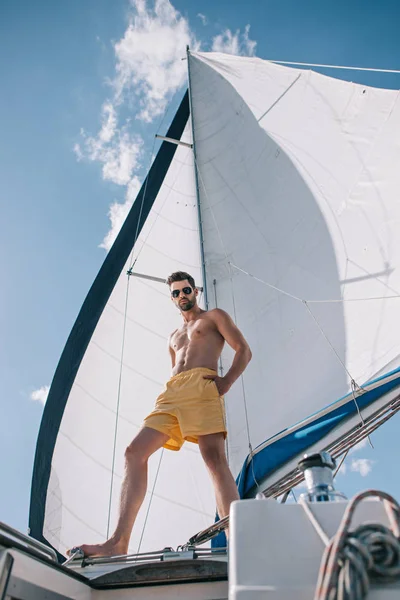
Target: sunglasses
(185,290)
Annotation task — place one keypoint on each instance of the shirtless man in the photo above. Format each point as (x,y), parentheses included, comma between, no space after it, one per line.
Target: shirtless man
(191,407)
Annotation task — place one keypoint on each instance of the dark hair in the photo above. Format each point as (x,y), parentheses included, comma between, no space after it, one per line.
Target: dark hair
(180,276)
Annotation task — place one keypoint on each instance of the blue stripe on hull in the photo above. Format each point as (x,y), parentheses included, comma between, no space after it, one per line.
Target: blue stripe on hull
(276,454)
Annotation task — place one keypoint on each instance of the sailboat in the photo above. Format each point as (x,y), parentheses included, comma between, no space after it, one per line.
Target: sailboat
(277,189)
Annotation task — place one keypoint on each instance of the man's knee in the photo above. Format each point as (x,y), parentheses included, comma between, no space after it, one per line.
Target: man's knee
(213,457)
(134,453)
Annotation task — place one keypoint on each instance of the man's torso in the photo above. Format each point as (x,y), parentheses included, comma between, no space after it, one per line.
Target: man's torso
(197,344)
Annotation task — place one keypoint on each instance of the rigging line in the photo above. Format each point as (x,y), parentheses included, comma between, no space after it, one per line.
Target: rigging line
(285,497)
(317,526)
(221,370)
(141,210)
(279,99)
(330,344)
(146,182)
(244,400)
(341,462)
(150,501)
(267,284)
(301,64)
(372,276)
(252,462)
(157,217)
(233,301)
(354,386)
(117,409)
(337,300)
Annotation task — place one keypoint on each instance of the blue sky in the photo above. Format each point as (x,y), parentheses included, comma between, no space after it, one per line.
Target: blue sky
(76,140)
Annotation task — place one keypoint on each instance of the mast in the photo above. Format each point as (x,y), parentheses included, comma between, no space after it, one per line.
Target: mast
(203,266)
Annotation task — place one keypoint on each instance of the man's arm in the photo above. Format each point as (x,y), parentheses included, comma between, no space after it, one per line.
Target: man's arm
(235,339)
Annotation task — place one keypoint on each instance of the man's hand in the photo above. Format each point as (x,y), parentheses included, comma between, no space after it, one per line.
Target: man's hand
(222,385)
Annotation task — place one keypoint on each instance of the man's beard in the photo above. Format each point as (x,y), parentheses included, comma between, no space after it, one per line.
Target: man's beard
(184,306)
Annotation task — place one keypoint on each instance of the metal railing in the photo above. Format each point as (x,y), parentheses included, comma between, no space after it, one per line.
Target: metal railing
(6,564)
(30,543)
(161,555)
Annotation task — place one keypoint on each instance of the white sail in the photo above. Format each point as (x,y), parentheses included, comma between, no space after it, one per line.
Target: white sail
(298,185)
(123,370)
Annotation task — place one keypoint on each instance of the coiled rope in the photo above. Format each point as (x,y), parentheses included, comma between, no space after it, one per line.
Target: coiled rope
(353,560)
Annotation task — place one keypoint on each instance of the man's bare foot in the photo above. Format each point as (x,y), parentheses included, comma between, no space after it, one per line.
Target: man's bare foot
(108,548)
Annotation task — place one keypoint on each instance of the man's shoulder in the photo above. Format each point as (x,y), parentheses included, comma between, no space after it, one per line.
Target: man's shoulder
(217,313)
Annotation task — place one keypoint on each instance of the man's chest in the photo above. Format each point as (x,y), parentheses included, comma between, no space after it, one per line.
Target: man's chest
(192,332)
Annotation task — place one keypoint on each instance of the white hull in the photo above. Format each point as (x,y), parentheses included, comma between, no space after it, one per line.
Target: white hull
(275,553)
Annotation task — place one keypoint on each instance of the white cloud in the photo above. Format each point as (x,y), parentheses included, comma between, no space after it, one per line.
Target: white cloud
(117,148)
(149,66)
(149,56)
(118,213)
(121,158)
(41,394)
(362,466)
(203,18)
(109,125)
(78,152)
(119,151)
(149,69)
(235,43)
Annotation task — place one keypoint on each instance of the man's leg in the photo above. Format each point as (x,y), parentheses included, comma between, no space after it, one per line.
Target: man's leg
(133,491)
(212,448)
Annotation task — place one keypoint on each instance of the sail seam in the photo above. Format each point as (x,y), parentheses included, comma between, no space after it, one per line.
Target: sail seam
(152,331)
(159,383)
(100,403)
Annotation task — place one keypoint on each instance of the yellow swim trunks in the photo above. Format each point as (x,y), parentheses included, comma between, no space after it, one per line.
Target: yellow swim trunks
(189,406)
